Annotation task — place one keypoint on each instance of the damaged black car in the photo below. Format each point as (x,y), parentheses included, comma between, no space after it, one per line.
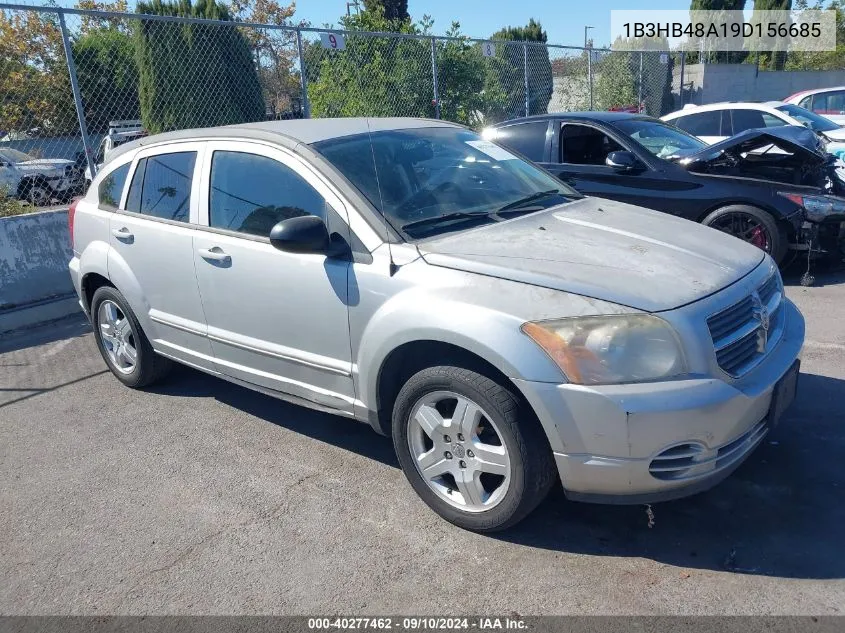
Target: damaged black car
(776,188)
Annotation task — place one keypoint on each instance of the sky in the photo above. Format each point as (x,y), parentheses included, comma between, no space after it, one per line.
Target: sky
(563,20)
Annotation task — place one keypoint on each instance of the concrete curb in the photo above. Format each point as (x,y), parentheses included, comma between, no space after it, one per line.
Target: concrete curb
(38,313)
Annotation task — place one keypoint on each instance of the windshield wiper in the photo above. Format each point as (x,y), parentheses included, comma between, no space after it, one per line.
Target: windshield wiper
(532,198)
(445,219)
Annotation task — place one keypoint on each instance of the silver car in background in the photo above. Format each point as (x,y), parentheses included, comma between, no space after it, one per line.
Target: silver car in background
(506,331)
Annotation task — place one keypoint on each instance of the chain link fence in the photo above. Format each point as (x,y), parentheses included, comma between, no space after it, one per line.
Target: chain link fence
(75,84)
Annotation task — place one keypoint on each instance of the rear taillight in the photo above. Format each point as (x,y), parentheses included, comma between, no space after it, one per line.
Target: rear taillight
(71,214)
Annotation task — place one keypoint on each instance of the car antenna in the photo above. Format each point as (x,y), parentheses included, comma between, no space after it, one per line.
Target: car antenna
(393,266)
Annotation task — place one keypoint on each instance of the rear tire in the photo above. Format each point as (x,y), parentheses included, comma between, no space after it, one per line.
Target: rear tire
(35,191)
(486,471)
(122,342)
(752,225)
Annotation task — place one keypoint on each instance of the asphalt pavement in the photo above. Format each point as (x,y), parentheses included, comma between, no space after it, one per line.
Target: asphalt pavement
(201,497)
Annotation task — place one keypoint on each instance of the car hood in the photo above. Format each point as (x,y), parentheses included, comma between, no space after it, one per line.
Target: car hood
(43,163)
(799,141)
(602,249)
(836,135)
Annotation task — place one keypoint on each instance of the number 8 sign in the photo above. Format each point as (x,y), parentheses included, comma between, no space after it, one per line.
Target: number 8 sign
(334,41)
(488,49)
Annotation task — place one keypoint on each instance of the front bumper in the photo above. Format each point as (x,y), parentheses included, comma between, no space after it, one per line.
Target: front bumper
(605,438)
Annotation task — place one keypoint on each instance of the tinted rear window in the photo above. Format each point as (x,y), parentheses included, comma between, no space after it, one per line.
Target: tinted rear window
(111,187)
(701,123)
(161,186)
(529,139)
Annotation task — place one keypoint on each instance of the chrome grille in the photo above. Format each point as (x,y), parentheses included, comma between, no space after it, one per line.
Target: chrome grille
(739,336)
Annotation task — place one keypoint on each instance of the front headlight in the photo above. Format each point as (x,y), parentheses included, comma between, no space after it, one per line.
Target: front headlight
(610,349)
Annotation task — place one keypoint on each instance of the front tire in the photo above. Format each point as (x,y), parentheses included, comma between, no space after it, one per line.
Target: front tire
(470,448)
(122,342)
(752,225)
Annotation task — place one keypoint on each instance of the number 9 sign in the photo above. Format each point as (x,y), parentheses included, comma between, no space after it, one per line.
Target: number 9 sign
(333,41)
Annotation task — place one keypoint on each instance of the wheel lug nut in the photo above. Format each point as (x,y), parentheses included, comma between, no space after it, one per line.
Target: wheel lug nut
(470,454)
(447,455)
(460,437)
(447,439)
(462,464)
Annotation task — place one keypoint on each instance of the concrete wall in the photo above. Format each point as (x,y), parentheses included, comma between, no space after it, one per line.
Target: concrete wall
(34,254)
(711,83)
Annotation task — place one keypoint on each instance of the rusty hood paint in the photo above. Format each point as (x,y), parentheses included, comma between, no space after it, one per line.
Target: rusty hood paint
(603,249)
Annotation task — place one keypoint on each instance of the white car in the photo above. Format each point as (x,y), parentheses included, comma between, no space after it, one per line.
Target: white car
(37,180)
(828,102)
(717,121)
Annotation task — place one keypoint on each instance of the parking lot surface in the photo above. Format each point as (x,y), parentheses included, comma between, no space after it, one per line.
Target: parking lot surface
(201,497)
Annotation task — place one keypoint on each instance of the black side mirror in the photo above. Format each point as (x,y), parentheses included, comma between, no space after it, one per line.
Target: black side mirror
(304,234)
(622,161)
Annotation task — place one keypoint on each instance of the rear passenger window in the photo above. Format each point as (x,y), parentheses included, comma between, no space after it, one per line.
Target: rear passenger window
(111,187)
(747,120)
(161,186)
(251,193)
(529,139)
(701,123)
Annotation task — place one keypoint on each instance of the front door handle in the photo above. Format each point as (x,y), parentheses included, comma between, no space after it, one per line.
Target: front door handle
(215,254)
(123,234)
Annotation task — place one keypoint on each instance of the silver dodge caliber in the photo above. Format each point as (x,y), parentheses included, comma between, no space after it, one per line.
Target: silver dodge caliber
(506,331)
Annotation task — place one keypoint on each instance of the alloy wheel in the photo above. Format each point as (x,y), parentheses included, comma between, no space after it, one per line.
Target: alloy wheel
(38,196)
(117,336)
(746,227)
(458,451)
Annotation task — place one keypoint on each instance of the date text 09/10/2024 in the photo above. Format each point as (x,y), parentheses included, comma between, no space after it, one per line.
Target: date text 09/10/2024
(417,623)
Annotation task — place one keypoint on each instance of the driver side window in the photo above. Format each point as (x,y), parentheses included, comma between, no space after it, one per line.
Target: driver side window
(584,145)
(251,193)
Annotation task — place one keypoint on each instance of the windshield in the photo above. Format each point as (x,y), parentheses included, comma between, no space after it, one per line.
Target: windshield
(15,156)
(432,179)
(659,138)
(815,121)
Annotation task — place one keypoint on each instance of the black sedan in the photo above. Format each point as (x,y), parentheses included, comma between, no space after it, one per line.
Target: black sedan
(751,185)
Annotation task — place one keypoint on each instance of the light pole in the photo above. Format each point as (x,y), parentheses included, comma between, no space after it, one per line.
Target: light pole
(587,28)
(589,64)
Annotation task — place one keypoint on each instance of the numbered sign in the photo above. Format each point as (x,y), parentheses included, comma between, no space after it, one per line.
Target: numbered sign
(334,41)
(664,58)
(488,49)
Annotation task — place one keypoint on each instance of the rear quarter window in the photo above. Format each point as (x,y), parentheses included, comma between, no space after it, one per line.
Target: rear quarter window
(111,188)
(529,139)
(701,123)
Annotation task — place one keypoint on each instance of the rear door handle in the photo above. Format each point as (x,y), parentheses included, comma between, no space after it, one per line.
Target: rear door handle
(123,234)
(215,254)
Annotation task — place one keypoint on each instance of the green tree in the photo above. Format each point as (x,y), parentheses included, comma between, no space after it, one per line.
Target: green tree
(509,70)
(628,78)
(194,75)
(372,76)
(108,77)
(722,57)
(821,60)
(35,94)
(775,60)
(393,10)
